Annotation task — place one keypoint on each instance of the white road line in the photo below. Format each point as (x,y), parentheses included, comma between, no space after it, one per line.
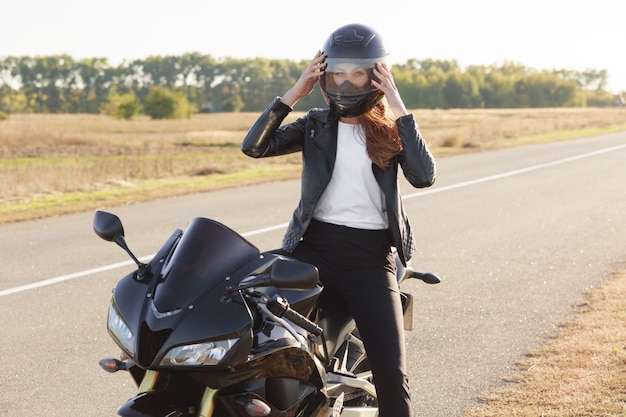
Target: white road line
(63,278)
(514,172)
(87,272)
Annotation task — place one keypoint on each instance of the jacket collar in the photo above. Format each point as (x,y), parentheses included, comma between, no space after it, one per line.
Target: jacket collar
(324,116)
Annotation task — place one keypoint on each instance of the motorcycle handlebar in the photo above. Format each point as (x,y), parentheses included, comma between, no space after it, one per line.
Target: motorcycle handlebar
(303,322)
(427,277)
(279,306)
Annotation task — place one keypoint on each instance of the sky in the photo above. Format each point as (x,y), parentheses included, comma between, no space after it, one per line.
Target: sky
(540,34)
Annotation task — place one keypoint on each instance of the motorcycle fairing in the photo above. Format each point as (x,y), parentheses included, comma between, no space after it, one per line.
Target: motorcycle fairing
(205,257)
(186,278)
(190,273)
(149,404)
(314,404)
(289,362)
(163,404)
(183,301)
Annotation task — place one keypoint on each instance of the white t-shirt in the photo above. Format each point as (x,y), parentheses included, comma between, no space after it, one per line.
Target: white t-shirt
(353,197)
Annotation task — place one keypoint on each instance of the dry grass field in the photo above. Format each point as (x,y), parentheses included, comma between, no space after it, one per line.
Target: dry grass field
(579,373)
(53,164)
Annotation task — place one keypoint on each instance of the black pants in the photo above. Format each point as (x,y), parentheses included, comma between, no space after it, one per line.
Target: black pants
(358,267)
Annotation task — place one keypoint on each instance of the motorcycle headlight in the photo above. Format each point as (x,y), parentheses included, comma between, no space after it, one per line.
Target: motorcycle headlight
(120,330)
(199,354)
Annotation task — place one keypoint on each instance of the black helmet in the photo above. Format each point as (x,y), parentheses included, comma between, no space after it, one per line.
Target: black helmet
(348,49)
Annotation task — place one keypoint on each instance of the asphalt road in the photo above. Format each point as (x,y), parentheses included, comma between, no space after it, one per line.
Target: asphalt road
(518,235)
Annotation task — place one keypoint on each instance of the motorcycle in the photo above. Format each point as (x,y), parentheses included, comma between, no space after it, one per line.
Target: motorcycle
(211,326)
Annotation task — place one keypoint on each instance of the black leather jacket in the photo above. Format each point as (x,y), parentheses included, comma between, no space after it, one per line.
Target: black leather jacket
(315,135)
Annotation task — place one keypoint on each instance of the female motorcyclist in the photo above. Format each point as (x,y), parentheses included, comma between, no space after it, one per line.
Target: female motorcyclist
(350,213)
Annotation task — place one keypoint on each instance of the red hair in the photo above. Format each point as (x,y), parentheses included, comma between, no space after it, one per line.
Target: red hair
(382,139)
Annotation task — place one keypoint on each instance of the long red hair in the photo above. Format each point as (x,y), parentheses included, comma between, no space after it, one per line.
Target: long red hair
(382,140)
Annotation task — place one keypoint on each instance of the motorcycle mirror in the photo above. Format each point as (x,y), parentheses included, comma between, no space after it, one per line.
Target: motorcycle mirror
(291,274)
(107,225)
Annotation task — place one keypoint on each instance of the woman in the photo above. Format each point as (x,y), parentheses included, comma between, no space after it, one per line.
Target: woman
(350,213)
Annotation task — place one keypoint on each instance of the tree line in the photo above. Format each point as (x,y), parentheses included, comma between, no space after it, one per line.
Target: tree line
(61,84)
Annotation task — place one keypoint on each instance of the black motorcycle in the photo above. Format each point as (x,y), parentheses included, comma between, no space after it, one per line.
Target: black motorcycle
(211,326)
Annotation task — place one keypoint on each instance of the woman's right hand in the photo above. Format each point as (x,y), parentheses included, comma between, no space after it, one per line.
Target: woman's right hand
(305,84)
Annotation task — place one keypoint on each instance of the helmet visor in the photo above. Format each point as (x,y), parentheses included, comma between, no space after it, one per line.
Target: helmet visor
(349,77)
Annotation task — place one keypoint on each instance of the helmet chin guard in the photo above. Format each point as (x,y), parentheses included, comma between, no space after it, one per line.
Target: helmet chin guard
(352,52)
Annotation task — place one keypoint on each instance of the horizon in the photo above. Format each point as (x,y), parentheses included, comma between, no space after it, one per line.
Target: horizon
(536,34)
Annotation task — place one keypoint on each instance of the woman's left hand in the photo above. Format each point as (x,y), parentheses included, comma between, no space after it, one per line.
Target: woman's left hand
(388,86)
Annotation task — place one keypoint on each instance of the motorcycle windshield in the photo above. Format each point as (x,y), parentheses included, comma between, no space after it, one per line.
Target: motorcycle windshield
(206,254)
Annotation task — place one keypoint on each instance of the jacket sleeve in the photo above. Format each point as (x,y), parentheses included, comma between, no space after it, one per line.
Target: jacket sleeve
(418,164)
(267,137)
